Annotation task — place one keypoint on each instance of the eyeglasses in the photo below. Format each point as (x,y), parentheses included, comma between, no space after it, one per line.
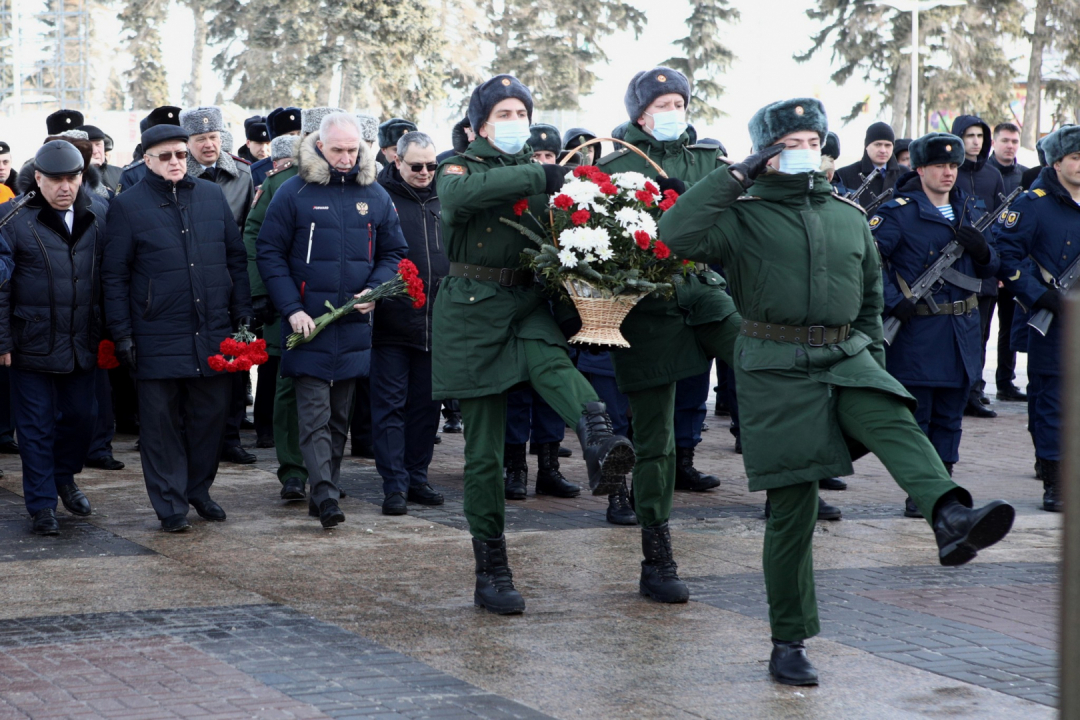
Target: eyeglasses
(167,156)
(419,167)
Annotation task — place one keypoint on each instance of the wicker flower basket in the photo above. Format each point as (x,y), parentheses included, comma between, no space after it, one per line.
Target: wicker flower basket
(601,316)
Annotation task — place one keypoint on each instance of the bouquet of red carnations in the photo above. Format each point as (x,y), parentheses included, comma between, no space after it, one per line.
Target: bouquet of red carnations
(406,282)
(245,350)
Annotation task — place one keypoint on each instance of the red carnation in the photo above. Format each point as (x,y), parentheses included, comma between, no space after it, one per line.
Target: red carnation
(584,171)
(649,187)
(217,363)
(258,344)
(521,206)
(685,262)
(670,196)
(259,357)
(644,196)
(599,177)
(106,359)
(642,239)
(608,188)
(420,299)
(580,217)
(407,269)
(563,202)
(661,251)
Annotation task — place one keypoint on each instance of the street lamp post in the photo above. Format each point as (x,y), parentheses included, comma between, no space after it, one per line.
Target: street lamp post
(915,8)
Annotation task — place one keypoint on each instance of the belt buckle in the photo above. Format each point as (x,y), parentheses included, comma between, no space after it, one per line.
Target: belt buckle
(810,336)
(506,277)
(959,307)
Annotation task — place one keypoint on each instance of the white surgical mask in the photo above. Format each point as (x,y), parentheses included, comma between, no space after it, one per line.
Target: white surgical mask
(510,135)
(800,160)
(668,126)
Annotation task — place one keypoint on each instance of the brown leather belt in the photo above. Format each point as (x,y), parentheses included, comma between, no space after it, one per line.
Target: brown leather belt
(813,335)
(507,277)
(960,307)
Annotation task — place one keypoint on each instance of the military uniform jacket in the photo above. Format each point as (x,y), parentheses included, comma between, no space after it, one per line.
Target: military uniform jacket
(795,254)
(476,323)
(663,348)
(933,350)
(1043,224)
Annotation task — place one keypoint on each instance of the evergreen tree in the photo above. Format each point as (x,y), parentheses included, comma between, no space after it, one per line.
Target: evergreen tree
(147,84)
(706,56)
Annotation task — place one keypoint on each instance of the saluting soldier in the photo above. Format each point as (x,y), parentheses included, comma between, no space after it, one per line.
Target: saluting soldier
(936,353)
(812,386)
(1042,225)
(493,328)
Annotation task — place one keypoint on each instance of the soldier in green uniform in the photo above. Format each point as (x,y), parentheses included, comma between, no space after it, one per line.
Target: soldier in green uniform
(493,329)
(809,362)
(671,339)
(291,472)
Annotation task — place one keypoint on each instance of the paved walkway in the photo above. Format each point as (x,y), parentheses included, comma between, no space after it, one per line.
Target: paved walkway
(269,616)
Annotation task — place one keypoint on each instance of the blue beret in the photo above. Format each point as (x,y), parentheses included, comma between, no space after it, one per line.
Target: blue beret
(491,93)
(782,118)
(936,148)
(648,85)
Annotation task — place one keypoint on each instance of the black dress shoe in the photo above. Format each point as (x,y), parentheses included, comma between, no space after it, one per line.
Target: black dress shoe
(452,424)
(789,665)
(330,514)
(208,510)
(362,450)
(175,523)
(394,504)
(73,499)
(293,489)
(911,510)
(105,462)
(962,531)
(977,409)
(738,445)
(9,448)
(424,495)
(264,441)
(1011,393)
(983,400)
(45,523)
(832,484)
(238,455)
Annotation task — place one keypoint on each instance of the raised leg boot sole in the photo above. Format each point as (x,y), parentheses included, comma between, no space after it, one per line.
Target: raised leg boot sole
(614,466)
(995,523)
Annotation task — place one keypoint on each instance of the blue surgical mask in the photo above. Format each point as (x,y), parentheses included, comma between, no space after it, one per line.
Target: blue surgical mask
(668,126)
(800,160)
(510,135)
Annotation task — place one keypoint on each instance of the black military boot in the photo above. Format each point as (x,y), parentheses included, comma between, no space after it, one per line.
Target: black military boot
(961,531)
(515,472)
(619,510)
(789,664)
(453,423)
(608,457)
(911,510)
(659,573)
(549,481)
(1051,477)
(687,477)
(495,590)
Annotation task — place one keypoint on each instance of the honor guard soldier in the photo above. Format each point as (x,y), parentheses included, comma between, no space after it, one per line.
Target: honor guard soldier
(493,328)
(936,353)
(1038,242)
(812,386)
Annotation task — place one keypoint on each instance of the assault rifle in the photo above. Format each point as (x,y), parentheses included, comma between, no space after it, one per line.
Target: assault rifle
(923,287)
(17,207)
(879,201)
(1041,320)
(854,195)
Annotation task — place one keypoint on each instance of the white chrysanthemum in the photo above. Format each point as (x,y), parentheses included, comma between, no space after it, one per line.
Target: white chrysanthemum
(633,220)
(568,258)
(585,239)
(630,180)
(605,253)
(589,258)
(585,194)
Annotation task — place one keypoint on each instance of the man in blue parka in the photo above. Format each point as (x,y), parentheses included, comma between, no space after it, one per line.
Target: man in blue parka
(936,354)
(1044,225)
(331,232)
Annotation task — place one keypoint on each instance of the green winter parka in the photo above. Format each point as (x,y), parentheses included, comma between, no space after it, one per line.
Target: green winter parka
(477,323)
(663,348)
(794,254)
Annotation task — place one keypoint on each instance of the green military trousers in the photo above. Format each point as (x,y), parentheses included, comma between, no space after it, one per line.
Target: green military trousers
(654,429)
(287,432)
(565,389)
(885,426)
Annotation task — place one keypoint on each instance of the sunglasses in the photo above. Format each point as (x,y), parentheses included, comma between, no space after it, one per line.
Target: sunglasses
(419,167)
(167,156)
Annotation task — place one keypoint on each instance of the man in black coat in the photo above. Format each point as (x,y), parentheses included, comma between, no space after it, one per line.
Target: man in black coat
(50,326)
(176,285)
(877,162)
(403,415)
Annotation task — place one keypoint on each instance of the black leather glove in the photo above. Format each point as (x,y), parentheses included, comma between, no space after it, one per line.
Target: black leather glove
(263,310)
(670,183)
(125,353)
(243,322)
(974,244)
(748,170)
(904,310)
(1050,300)
(555,176)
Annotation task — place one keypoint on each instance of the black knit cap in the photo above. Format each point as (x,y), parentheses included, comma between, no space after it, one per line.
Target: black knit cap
(4,148)
(936,148)
(491,93)
(879,131)
(545,137)
(392,130)
(62,120)
(284,121)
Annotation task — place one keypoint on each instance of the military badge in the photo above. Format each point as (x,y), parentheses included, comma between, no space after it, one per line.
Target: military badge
(362,208)
(455,170)
(875,221)
(1012,219)
(1015,276)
